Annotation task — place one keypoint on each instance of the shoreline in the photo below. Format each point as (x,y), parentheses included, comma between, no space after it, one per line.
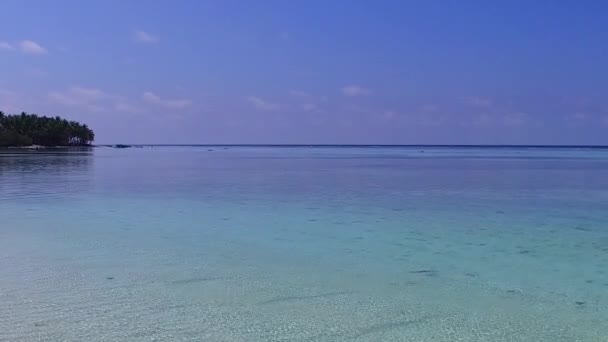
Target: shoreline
(42,147)
(573,147)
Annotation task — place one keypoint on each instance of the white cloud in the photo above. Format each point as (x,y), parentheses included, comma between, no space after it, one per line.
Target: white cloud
(92,100)
(261,104)
(353,108)
(309,107)
(88,93)
(32,48)
(355,90)
(476,101)
(123,106)
(298,93)
(515,119)
(144,37)
(578,116)
(86,98)
(6,46)
(152,98)
(309,102)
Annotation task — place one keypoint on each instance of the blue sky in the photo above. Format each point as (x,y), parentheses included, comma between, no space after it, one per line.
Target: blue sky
(368,72)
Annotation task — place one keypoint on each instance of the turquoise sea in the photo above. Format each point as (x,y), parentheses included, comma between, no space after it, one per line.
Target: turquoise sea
(237,243)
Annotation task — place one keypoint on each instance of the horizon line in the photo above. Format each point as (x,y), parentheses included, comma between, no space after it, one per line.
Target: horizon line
(361,145)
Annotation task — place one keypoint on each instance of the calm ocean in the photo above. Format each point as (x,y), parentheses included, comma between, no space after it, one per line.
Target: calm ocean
(193,243)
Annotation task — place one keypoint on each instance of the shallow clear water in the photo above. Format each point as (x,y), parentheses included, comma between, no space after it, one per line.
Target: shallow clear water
(304,244)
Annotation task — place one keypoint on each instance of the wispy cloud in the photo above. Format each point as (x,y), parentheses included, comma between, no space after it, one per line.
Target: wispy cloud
(6,46)
(576,117)
(152,98)
(9,101)
(144,37)
(355,90)
(482,119)
(32,48)
(92,99)
(298,93)
(309,107)
(308,102)
(515,119)
(261,104)
(123,106)
(87,98)
(37,73)
(477,101)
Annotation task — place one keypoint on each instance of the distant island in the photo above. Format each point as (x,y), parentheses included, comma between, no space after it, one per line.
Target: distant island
(25,129)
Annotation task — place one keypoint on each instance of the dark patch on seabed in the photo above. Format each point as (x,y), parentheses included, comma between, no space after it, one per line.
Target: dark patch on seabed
(429,273)
(195,280)
(297,298)
(373,329)
(583,229)
(383,327)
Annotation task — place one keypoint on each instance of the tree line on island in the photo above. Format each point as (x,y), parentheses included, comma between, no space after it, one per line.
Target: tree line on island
(30,129)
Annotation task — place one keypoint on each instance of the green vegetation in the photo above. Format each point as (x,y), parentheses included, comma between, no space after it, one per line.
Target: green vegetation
(30,129)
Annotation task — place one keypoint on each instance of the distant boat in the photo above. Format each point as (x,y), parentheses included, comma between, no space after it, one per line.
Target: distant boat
(121,146)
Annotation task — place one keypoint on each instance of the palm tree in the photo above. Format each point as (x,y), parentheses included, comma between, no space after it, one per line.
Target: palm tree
(24,129)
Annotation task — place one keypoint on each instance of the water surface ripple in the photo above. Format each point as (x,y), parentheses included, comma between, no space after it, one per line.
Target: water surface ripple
(235,243)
